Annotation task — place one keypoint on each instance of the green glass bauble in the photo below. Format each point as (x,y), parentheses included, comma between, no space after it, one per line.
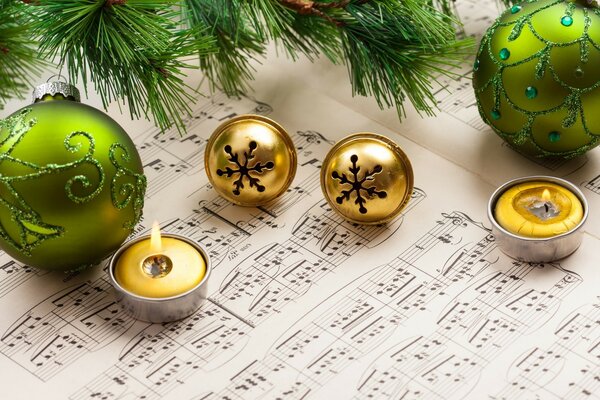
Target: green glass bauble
(536,77)
(71,182)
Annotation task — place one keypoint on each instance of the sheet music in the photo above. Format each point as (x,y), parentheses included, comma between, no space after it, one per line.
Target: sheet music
(304,305)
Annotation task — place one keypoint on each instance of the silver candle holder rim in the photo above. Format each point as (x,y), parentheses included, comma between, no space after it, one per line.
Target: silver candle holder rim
(544,178)
(129,243)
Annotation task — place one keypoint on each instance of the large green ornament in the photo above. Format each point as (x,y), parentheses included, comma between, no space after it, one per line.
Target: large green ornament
(71,182)
(537,77)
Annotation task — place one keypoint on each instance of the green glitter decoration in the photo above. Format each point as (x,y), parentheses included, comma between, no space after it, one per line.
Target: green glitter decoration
(544,65)
(531,92)
(554,136)
(32,229)
(504,54)
(566,20)
(476,65)
(81,180)
(127,187)
(495,114)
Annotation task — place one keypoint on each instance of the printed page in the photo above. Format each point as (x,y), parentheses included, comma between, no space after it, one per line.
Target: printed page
(303,305)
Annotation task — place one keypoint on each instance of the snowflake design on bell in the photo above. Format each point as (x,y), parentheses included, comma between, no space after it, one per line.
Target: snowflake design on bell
(243,169)
(357,185)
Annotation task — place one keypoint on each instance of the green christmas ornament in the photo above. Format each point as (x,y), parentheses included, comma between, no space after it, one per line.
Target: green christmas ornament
(537,77)
(71,182)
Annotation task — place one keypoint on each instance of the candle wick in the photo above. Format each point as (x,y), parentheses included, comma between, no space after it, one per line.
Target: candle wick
(157,266)
(544,210)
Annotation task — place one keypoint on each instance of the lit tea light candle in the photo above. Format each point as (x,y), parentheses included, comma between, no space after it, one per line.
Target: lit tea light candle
(538,219)
(160,278)
(538,209)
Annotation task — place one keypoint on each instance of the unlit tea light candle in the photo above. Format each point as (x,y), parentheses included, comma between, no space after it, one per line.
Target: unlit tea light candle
(538,209)
(538,218)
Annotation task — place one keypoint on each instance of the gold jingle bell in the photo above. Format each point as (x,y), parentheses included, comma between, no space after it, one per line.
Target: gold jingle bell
(250,160)
(367,178)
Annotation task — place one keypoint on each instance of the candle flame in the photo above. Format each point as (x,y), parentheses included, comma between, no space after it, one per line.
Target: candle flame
(546,195)
(155,241)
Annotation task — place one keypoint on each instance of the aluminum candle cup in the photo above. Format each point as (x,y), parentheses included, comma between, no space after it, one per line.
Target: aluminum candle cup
(538,218)
(164,285)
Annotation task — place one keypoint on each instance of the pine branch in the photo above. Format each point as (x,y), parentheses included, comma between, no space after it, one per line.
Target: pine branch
(134,50)
(445,6)
(130,49)
(237,43)
(393,49)
(310,7)
(19,63)
(243,28)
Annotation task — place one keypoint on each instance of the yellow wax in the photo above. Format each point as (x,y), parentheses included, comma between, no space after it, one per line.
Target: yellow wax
(188,269)
(525,210)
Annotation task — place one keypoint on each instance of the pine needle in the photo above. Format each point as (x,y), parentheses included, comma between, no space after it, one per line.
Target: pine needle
(394,51)
(19,63)
(228,68)
(134,50)
(130,50)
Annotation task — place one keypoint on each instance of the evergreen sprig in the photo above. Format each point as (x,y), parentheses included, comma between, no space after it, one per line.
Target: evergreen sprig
(132,50)
(19,63)
(393,49)
(237,43)
(137,51)
(396,49)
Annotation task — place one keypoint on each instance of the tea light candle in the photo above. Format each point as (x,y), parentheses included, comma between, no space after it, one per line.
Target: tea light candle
(538,209)
(160,278)
(538,218)
(160,267)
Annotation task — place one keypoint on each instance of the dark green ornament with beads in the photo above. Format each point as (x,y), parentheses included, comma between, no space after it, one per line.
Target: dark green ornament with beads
(537,77)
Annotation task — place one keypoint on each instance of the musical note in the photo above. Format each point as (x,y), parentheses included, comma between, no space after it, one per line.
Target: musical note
(14,274)
(65,327)
(594,185)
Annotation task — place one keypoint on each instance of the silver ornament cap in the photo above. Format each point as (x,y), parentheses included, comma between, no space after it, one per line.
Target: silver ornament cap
(56,87)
